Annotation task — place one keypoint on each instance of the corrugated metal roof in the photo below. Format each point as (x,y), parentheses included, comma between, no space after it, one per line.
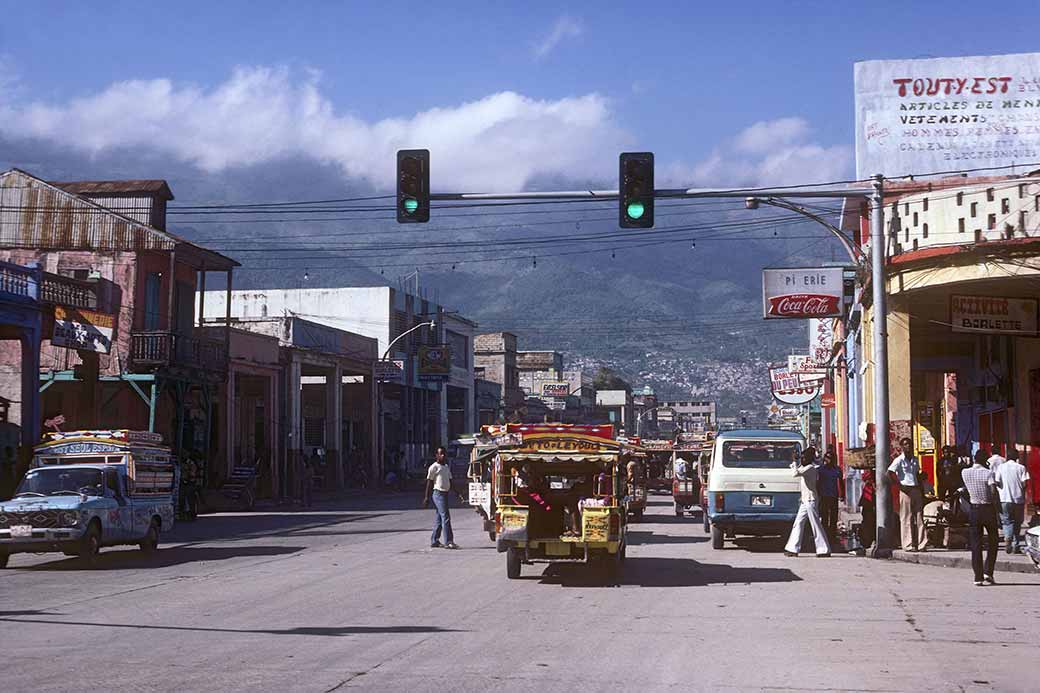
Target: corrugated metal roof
(117,187)
(37,214)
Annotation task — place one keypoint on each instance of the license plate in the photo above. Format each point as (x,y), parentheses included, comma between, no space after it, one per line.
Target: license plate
(761,501)
(21,530)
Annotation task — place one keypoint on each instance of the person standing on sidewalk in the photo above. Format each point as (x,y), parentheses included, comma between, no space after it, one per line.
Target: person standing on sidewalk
(830,485)
(868,508)
(807,472)
(1011,477)
(980,483)
(907,471)
(438,486)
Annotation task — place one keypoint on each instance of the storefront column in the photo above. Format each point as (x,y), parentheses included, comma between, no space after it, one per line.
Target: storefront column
(334,423)
(294,405)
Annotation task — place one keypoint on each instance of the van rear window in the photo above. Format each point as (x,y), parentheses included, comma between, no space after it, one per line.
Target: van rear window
(760,454)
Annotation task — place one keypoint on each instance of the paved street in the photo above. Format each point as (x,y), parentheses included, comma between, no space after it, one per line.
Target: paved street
(348,596)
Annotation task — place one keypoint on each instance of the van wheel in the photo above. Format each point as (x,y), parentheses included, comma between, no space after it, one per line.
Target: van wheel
(638,516)
(678,510)
(512,564)
(716,537)
(90,544)
(491,536)
(4,556)
(150,543)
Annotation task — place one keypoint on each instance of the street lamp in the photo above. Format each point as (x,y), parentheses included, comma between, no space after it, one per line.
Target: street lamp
(640,415)
(879,330)
(432,324)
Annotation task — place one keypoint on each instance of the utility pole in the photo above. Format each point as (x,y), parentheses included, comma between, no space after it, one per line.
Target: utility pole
(879,339)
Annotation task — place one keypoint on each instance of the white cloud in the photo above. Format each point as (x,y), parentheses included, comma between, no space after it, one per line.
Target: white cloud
(774,152)
(260,114)
(563,28)
(499,143)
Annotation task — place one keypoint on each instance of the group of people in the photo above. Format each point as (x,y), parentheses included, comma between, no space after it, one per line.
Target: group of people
(988,488)
(822,486)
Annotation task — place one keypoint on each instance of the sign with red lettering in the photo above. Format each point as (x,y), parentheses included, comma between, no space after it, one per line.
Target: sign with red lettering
(941,114)
(788,388)
(994,315)
(801,293)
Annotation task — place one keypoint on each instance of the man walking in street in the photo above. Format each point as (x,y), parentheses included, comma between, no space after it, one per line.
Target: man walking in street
(1011,477)
(907,471)
(807,472)
(830,485)
(980,483)
(438,486)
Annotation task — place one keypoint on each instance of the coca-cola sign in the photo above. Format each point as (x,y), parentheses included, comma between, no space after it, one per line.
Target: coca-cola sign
(802,293)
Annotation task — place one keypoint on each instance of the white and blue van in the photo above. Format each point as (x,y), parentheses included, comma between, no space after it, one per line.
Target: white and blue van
(751,488)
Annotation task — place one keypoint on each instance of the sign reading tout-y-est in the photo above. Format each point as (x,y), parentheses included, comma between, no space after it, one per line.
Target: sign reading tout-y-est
(808,292)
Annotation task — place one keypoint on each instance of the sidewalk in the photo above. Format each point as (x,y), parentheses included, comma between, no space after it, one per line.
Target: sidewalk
(961,558)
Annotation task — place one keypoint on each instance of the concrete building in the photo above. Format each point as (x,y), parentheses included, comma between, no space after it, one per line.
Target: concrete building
(495,359)
(487,402)
(460,397)
(415,411)
(615,406)
(689,416)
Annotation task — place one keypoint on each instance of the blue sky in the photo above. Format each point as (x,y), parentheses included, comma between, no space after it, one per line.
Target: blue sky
(353,80)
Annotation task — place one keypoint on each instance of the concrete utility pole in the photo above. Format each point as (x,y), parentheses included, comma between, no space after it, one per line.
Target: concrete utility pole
(880,342)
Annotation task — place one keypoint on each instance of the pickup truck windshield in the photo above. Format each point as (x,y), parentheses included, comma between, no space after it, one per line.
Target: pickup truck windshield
(57,481)
(760,454)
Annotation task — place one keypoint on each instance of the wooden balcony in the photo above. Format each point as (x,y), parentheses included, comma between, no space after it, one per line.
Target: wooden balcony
(66,291)
(153,350)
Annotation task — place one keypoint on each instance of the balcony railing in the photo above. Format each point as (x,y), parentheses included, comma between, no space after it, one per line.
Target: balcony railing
(149,350)
(19,282)
(66,291)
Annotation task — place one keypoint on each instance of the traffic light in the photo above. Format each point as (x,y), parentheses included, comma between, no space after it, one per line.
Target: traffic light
(413,186)
(636,190)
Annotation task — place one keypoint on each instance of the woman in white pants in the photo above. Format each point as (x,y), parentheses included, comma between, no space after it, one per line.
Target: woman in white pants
(807,509)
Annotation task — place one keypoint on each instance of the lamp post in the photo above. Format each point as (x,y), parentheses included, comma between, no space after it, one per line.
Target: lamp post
(640,415)
(432,324)
(879,332)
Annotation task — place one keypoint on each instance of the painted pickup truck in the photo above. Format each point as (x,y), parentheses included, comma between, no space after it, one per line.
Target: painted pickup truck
(89,489)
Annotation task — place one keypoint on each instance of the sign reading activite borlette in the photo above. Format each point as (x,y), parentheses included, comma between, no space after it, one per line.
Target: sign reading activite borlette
(813,292)
(994,315)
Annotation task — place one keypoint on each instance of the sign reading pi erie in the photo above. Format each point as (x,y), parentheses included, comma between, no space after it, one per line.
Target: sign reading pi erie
(802,293)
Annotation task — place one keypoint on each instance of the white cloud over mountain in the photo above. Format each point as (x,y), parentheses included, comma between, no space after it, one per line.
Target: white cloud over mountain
(260,114)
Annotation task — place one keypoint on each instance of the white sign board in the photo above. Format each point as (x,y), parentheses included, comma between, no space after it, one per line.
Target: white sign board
(85,330)
(556,389)
(821,340)
(390,371)
(812,292)
(944,114)
(994,315)
(805,367)
(788,387)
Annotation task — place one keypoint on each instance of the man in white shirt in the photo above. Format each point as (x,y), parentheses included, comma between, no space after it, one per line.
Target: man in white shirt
(1012,476)
(438,486)
(907,471)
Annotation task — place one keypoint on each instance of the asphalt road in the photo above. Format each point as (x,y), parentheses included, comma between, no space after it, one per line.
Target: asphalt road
(349,596)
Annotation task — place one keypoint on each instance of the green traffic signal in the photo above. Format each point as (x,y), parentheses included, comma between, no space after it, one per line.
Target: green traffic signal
(411,204)
(635,210)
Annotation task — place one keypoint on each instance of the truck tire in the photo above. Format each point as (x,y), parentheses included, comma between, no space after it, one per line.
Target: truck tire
(150,543)
(90,544)
(512,564)
(707,521)
(638,516)
(678,510)
(716,537)
(4,556)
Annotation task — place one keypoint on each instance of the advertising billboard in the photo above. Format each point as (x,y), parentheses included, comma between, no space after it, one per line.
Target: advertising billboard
(994,315)
(86,330)
(800,293)
(434,361)
(946,114)
(389,371)
(789,388)
(556,389)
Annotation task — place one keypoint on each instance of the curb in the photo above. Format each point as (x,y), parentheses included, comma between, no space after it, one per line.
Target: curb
(946,560)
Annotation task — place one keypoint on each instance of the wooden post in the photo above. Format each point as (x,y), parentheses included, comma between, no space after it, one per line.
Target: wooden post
(172,284)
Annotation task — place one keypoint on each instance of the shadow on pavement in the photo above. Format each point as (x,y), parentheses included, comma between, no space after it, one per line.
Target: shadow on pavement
(306,630)
(163,558)
(639,538)
(663,572)
(262,523)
